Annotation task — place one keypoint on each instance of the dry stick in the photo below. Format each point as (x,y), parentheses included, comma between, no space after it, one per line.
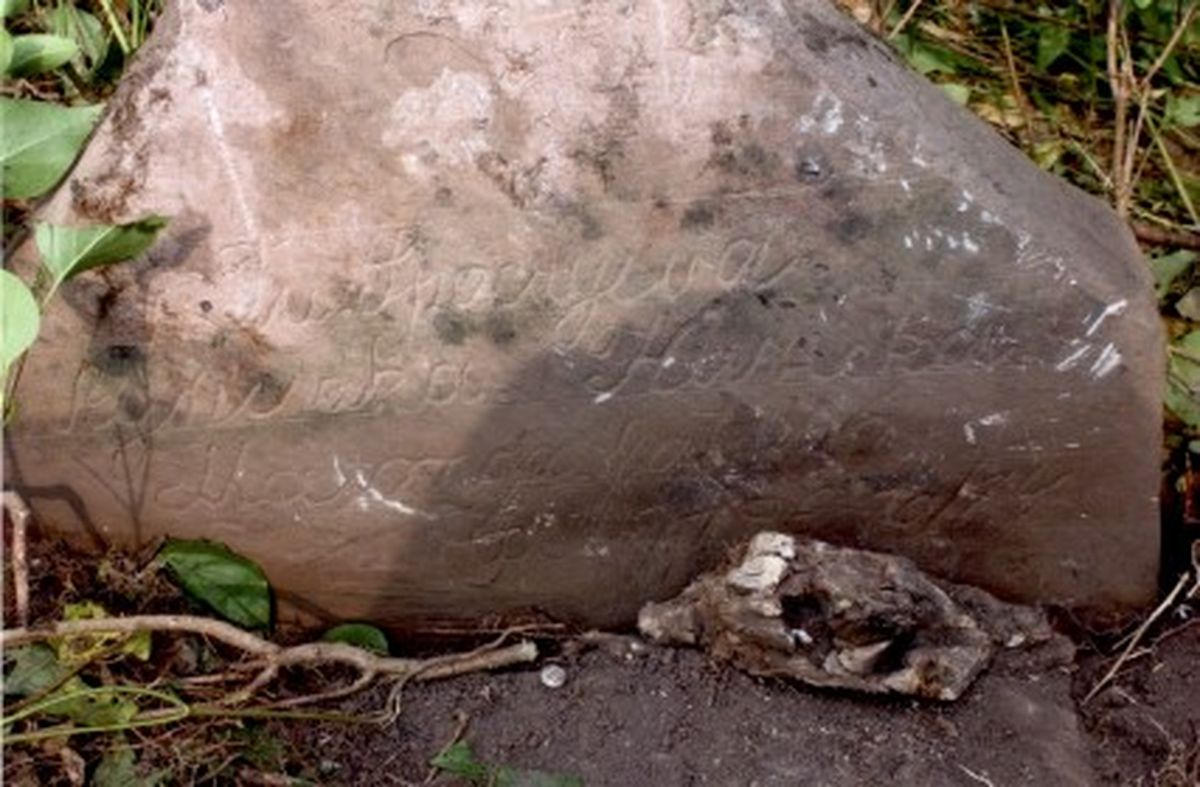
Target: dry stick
(273,657)
(1018,94)
(904,20)
(1137,637)
(20,561)
(1120,92)
(1161,237)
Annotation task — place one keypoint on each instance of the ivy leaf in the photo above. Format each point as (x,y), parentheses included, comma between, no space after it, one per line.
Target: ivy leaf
(19,319)
(232,585)
(38,53)
(69,251)
(360,635)
(40,143)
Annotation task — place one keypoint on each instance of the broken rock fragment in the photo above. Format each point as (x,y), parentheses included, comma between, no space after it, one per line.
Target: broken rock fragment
(843,618)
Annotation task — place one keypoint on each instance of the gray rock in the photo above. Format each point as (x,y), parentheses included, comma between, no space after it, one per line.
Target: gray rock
(842,618)
(491,308)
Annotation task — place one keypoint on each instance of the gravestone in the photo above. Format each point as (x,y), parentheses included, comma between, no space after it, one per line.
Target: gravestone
(492,308)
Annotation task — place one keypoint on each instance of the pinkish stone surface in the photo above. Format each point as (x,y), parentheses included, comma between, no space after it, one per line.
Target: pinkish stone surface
(490,308)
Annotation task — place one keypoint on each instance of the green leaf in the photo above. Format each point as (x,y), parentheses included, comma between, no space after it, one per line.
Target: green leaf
(118,768)
(1182,111)
(40,143)
(1052,44)
(6,50)
(1183,379)
(958,93)
(68,251)
(360,635)
(19,319)
(82,648)
(38,53)
(85,30)
(1169,267)
(90,706)
(35,669)
(13,7)
(232,585)
(458,760)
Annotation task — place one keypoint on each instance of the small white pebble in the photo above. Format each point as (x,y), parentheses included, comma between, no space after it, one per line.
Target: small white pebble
(553,676)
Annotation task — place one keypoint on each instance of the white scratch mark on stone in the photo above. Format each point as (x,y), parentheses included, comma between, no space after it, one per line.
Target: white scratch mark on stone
(987,217)
(228,162)
(601,398)
(1072,359)
(825,114)
(396,505)
(969,433)
(1072,446)
(993,419)
(969,244)
(905,185)
(668,362)
(1111,310)
(963,206)
(952,241)
(823,315)
(1108,360)
(929,243)
(337,472)
(908,242)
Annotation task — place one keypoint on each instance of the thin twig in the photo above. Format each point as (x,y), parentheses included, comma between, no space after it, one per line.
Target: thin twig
(1018,93)
(271,658)
(904,20)
(1137,637)
(19,512)
(1156,236)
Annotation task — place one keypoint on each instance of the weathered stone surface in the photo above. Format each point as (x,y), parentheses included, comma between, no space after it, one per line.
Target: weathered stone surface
(491,307)
(841,618)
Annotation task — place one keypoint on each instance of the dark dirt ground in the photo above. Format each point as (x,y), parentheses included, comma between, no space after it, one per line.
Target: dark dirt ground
(633,714)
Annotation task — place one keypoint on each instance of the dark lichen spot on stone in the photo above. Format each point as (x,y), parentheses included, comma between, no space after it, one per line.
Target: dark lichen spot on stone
(206,306)
(443,196)
(210,6)
(117,360)
(268,390)
(698,214)
(590,227)
(133,405)
(105,302)
(851,227)
(500,328)
(452,326)
(820,37)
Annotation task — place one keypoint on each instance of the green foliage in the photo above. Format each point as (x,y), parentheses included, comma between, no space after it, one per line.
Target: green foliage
(360,635)
(1169,268)
(38,53)
(35,668)
(69,251)
(231,585)
(40,143)
(19,320)
(458,760)
(119,768)
(82,649)
(1183,379)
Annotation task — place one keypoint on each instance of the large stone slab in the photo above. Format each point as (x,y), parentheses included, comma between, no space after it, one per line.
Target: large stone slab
(494,307)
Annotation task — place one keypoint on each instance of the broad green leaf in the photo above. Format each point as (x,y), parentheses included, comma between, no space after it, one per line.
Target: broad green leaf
(1052,43)
(69,251)
(458,760)
(1169,267)
(38,53)
(1183,379)
(360,635)
(39,143)
(35,669)
(6,50)
(19,319)
(85,30)
(118,768)
(90,706)
(234,586)
(13,7)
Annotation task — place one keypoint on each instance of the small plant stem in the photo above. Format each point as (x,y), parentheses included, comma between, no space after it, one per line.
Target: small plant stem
(1018,94)
(1119,85)
(1157,236)
(904,20)
(19,512)
(1174,173)
(115,24)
